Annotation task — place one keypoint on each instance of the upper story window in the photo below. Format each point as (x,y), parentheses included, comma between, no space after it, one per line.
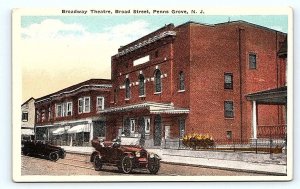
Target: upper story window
(181,81)
(228,81)
(228,109)
(59,110)
(37,115)
(141,85)
(43,115)
(49,114)
(84,105)
(252,61)
(100,103)
(157,81)
(127,88)
(25,116)
(63,109)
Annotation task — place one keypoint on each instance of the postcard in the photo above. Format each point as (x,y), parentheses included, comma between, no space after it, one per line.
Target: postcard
(140,94)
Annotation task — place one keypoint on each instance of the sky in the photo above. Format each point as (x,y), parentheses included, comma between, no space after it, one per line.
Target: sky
(59,51)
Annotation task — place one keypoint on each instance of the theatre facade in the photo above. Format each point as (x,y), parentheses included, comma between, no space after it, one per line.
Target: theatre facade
(197,78)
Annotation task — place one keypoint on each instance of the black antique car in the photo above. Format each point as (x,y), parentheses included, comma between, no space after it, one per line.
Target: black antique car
(41,149)
(123,156)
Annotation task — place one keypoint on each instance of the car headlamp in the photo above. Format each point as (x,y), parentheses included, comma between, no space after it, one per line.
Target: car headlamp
(151,155)
(138,154)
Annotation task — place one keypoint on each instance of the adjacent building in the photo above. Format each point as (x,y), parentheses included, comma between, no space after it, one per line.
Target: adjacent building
(197,78)
(72,115)
(28,117)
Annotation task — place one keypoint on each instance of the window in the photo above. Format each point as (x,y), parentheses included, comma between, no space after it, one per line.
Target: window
(49,114)
(43,115)
(58,110)
(252,61)
(157,80)
(228,109)
(132,125)
(25,116)
(229,134)
(37,115)
(181,81)
(80,105)
(84,105)
(147,125)
(181,127)
(127,88)
(87,104)
(228,81)
(141,85)
(100,103)
(69,108)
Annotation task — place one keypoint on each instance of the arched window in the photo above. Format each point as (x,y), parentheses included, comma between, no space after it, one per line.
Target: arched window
(181,81)
(127,88)
(141,85)
(157,81)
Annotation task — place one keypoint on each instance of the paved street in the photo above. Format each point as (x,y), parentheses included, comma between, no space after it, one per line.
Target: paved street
(75,164)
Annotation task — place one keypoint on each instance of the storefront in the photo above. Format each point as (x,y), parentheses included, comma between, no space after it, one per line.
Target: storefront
(154,124)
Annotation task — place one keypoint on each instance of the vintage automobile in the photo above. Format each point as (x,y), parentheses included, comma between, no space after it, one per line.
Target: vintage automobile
(39,148)
(124,155)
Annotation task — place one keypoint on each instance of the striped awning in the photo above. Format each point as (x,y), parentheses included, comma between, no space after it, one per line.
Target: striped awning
(79,129)
(59,131)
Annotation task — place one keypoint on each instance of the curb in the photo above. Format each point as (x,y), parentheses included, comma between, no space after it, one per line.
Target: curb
(203,166)
(226,168)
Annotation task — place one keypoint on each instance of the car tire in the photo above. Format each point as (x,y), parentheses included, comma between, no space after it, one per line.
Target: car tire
(53,156)
(97,163)
(126,164)
(153,166)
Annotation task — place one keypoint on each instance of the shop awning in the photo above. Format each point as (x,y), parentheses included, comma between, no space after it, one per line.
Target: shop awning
(27,132)
(79,129)
(59,131)
(152,107)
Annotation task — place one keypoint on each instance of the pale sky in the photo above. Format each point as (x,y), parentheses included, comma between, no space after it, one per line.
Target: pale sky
(59,51)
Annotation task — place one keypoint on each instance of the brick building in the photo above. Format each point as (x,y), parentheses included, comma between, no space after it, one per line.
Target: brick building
(195,78)
(72,116)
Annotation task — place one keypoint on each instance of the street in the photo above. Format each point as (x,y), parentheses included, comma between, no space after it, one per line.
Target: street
(75,164)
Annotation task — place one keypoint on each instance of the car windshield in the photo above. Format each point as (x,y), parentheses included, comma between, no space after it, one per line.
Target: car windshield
(129,141)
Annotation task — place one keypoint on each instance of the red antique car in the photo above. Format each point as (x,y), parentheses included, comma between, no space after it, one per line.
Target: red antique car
(125,157)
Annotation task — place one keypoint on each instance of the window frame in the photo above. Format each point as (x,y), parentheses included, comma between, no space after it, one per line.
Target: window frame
(132,125)
(157,81)
(251,65)
(228,85)
(59,110)
(80,106)
(142,87)
(229,114)
(102,103)
(181,82)
(127,89)
(85,105)
(69,109)
(25,118)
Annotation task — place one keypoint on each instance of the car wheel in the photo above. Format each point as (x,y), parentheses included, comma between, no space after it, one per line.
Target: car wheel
(97,163)
(153,165)
(126,164)
(53,156)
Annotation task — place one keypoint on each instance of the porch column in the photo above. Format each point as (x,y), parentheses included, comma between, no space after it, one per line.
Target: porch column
(254,120)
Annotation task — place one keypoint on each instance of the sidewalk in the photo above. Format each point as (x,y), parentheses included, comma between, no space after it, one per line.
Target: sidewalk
(238,161)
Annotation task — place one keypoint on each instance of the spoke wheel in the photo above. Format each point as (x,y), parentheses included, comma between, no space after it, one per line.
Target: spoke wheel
(53,156)
(153,165)
(97,163)
(126,164)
